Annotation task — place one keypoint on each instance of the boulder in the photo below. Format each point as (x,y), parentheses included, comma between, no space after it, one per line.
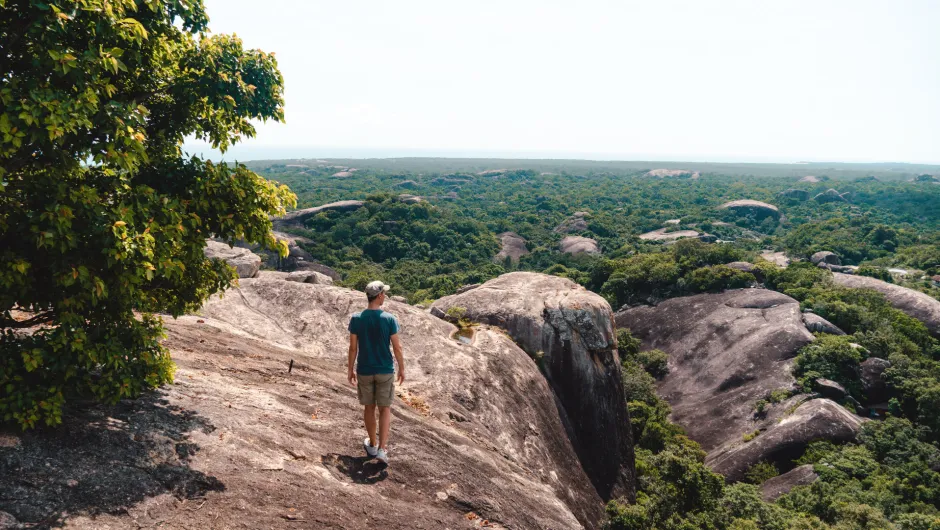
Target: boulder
(749,207)
(779,259)
(572,330)
(409,199)
(246,262)
(579,245)
(707,238)
(818,324)
(660,234)
(798,195)
(309,277)
(829,195)
(915,304)
(408,184)
(830,389)
(319,267)
(672,221)
(299,216)
(573,224)
(817,419)
(672,173)
(726,352)
(826,257)
(514,246)
(873,382)
(249,444)
(744,266)
(467,287)
(773,488)
(809,178)
(399,299)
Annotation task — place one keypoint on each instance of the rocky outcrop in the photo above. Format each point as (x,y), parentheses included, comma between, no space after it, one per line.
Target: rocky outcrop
(579,245)
(299,216)
(304,265)
(873,382)
(817,419)
(726,352)
(672,173)
(779,259)
(571,329)
(829,195)
(830,389)
(794,194)
(660,234)
(309,277)
(408,184)
(246,262)
(914,303)
(467,287)
(809,178)
(749,207)
(514,247)
(240,441)
(825,257)
(818,324)
(409,199)
(576,223)
(773,488)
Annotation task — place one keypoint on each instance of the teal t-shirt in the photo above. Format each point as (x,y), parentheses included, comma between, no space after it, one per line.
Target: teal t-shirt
(374,329)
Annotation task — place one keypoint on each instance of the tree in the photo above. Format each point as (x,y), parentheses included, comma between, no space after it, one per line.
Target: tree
(103,220)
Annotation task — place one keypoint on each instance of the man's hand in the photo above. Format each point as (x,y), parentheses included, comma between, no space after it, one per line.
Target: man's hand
(401,377)
(352,378)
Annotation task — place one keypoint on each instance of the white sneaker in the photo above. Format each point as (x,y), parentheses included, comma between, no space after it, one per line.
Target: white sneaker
(371,450)
(382,456)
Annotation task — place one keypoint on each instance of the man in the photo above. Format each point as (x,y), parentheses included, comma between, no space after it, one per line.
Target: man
(370,332)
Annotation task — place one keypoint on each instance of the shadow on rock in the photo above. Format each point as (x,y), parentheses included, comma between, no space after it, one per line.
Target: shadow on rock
(103,459)
(359,469)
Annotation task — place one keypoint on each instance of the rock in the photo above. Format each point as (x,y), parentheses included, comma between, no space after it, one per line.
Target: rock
(246,262)
(466,288)
(319,267)
(573,224)
(830,389)
(409,199)
(399,299)
(672,221)
(798,195)
(579,245)
(7,521)
(773,488)
(817,419)
(818,324)
(408,184)
(660,234)
(343,174)
(707,238)
(726,351)
(809,178)
(826,257)
(872,376)
(829,195)
(744,266)
(573,330)
(309,277)
(913,303)
(299,216)
(779,259)
(672,173)
(749,207)
(514,246)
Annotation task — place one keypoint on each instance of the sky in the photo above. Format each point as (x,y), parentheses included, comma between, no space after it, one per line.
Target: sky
(747,81)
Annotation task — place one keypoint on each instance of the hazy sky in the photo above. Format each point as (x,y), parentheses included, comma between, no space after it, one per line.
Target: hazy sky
(691,80)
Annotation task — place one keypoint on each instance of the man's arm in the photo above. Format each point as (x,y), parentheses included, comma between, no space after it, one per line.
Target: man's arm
(396,347)
(351,358)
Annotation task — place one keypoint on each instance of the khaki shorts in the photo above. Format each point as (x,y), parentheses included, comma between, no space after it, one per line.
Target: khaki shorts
(376,389)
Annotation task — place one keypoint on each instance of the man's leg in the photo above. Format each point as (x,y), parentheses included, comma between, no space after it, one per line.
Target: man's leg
(369,418)
(385,418)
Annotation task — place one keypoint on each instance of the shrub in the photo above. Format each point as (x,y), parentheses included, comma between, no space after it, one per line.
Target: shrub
(761,471)
(718,277)
(654,362)
(831,357)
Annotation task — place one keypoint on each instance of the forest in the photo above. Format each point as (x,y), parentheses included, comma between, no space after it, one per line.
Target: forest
(881,220)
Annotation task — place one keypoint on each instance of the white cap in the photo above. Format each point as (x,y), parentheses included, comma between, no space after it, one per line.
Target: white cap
(376,288)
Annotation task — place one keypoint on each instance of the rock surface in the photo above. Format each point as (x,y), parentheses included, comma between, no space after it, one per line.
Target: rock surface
(824,256)
(829,195)
(579,245)
(809,178)
(726,351)
(779,259)
(299,216)
(914,303)
(660,234)
(773,488)
(746,206)
(817,419)
(513,247)
(575,223)
(872,376)
(799,195)
(818,324)
(573,329)
(246,262)
(830,389)
(309,277)
(672,173)
(238,441)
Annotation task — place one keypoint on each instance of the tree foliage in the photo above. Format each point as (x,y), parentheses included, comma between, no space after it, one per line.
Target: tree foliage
(103,220)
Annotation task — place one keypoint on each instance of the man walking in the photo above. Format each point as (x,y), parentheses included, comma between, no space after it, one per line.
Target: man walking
(370,332)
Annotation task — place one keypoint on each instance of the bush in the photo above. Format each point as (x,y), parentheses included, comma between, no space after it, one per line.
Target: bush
(654,362)
(760,472)
(831,357)
(717,278)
